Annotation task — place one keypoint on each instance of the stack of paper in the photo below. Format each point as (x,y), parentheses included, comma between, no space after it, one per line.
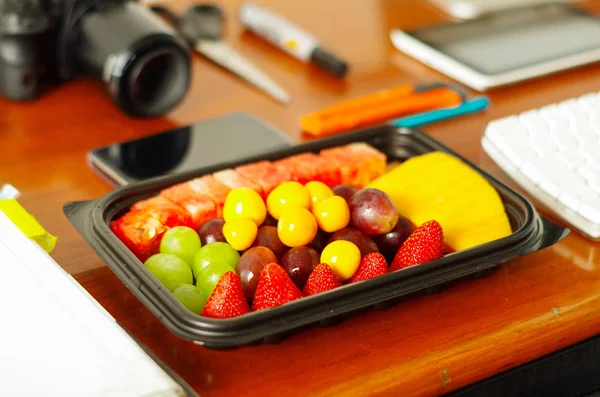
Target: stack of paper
(56,340)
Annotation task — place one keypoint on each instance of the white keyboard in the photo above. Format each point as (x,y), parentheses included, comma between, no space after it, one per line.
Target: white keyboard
(554,153)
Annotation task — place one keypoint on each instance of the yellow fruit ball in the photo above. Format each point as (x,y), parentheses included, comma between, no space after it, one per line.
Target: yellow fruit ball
(243,202)
(286,195)
(332,214)
(318,192)
(343,257)
(240,233)
(296,227)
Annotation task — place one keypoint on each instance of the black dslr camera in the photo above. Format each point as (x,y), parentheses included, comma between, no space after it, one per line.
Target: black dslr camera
(144,63)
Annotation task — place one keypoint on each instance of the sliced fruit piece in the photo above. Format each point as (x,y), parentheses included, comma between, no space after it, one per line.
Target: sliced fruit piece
(320,280)
(227,299)
(440,186)
(274,288)
(487,230)
(350,170)
(324,170)
(424,245)
(371,265)
(377,160)
(141,230)
(168,212)
(298,171)
(233,180)
(213,189)
(265,174)
(201,208)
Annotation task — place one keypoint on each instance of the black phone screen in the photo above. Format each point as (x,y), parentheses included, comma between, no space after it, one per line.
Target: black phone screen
(203,144)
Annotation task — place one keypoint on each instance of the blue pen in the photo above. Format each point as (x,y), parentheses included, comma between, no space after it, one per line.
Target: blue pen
(474,105)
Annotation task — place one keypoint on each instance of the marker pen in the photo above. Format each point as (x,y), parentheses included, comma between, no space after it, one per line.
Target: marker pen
(290,38)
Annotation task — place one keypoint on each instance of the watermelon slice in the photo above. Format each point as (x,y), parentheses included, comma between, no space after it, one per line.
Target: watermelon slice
(200,208)
(301,170)
(141,229)
(233,180)
(351,171)
(323,170)
(374,161)
(265,174)
(209,187)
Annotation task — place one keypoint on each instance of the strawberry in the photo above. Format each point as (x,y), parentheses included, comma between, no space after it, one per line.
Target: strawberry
(274,288)
(424,244)
(321,279)
(371,265)
(227,299)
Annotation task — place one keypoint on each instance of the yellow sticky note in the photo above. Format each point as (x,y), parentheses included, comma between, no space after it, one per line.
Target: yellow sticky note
(27,224)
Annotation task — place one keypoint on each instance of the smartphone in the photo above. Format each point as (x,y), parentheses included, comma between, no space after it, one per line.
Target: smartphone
(202,144)
(506,47)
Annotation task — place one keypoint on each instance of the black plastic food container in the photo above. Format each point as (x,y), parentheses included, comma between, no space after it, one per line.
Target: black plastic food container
(531,232)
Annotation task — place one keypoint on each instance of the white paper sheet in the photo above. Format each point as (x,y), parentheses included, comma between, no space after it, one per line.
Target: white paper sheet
(56,340)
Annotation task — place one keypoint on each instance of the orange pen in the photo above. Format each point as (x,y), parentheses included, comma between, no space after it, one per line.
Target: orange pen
(380,106)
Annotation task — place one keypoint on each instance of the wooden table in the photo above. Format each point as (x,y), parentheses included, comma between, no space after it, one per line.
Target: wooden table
(425,346)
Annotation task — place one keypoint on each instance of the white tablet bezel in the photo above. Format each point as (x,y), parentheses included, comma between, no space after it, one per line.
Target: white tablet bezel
(475,79)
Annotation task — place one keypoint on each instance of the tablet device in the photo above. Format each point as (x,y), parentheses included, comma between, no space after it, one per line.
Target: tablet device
(471,9)
(205,143)
(506,47)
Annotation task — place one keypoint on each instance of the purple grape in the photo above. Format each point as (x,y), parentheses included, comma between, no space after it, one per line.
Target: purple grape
(372,211)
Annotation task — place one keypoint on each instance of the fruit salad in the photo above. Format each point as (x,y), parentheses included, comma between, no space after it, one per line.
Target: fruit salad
(264,234)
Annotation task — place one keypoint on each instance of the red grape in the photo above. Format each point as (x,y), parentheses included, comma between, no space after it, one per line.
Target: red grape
(267,237)
(390,243)
(212,231)
(299,263)
(364,243)
(249,267)
(345,191)
(372,211)
(320,240)
(270,221)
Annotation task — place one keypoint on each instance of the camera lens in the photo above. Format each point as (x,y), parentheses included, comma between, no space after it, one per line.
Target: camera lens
(144,63)
(157,80)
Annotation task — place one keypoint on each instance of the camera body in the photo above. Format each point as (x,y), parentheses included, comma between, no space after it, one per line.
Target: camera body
(144,63)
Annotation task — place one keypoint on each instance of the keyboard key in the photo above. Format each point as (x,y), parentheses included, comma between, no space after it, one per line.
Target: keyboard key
(591,104)
(573,193)
(585,135)
(534,123)
(532,171)
(591,154)
(566,141)
(571,159)
(573,109)
(511,138)
(589,174)
(556,119)
(544,146)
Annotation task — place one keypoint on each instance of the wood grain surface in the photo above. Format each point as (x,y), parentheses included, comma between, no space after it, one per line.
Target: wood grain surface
(425,346)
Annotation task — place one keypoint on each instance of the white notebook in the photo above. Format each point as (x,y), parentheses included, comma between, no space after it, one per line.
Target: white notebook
(56,340)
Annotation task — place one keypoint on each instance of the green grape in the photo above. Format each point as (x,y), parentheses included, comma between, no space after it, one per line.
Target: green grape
(170,270)
(181,241)
(209,276)
(191,297)
(215,252)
